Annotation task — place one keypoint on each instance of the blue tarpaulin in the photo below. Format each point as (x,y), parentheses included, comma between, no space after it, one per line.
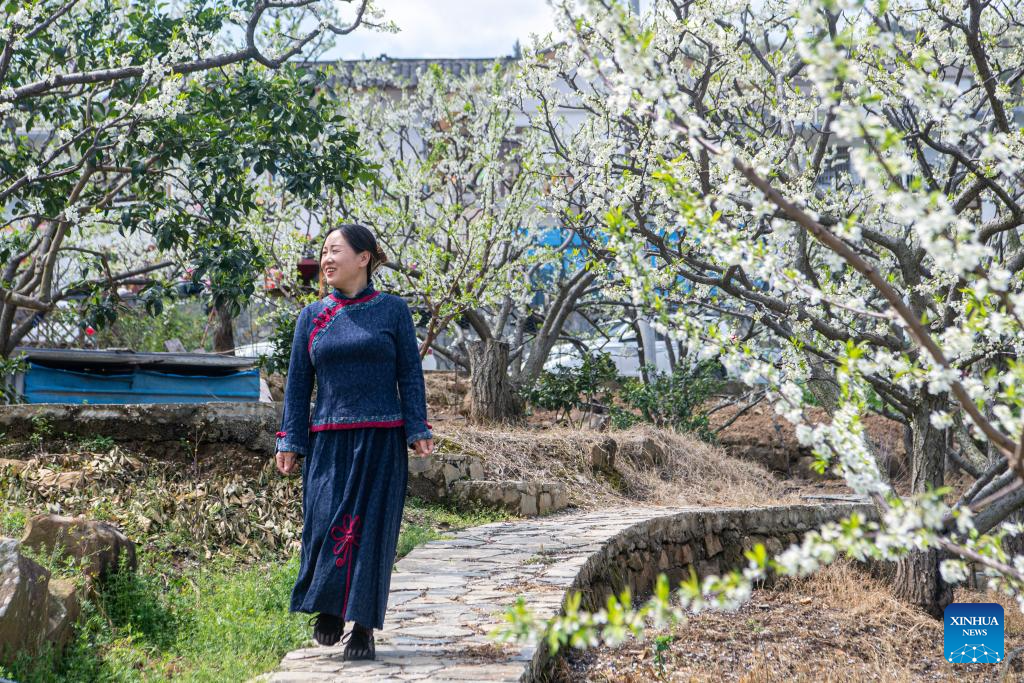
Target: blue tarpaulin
(55,385)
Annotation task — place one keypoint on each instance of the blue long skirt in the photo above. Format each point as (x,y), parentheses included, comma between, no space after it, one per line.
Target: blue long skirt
(353,492)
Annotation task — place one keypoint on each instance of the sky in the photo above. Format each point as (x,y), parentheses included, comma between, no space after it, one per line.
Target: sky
(449,28)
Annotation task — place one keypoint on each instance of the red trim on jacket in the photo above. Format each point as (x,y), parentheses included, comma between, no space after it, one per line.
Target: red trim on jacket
(354,425)
(346,302)
(324,317)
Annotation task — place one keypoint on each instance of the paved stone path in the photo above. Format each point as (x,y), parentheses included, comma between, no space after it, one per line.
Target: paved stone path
(447,594)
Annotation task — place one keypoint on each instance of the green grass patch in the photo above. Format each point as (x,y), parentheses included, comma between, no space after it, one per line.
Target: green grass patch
(220,619)
(423,522)
(217,623)
(413,535)
(12,521)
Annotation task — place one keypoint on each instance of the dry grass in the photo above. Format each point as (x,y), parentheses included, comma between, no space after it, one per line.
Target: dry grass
(445,391)
(840,624)
(694,473)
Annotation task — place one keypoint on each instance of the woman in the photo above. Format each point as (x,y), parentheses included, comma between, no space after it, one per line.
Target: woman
(360,346)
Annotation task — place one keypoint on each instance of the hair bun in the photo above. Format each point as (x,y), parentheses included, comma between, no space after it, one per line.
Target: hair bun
(381,256)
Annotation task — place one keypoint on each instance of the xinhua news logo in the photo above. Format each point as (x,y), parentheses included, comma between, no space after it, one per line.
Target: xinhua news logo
(973,632)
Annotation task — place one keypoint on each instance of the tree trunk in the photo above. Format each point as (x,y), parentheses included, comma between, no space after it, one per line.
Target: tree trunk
(640,350)
(822,383)
(649,343)
(671,356)
(224,332)
(492,395)
(917,579)
(918,582)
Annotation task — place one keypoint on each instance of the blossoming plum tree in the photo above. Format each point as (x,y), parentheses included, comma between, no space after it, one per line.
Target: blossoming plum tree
(849,173)
(457,203)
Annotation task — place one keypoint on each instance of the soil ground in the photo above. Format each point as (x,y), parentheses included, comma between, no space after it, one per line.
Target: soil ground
(839,625)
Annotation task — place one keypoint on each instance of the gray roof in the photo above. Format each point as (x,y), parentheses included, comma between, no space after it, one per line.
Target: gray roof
(406,71)
(77,358)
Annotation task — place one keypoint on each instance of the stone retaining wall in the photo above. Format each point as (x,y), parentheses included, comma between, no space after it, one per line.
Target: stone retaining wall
(459,478)
(526,498)
(709,541)
(431,478)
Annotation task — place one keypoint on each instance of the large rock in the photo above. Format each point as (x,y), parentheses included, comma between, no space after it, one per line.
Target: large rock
(64,610)
(24,602)
(35,611)
(97,546)
(602,454)
(431,478)
(426,478)
(644,451)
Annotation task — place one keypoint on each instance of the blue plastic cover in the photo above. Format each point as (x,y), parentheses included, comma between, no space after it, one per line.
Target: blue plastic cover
(52,385)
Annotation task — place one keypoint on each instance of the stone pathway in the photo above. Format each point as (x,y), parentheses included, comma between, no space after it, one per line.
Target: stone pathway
(446,595)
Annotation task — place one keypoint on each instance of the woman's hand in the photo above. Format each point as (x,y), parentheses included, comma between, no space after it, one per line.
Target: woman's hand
(287,462)
(423,447)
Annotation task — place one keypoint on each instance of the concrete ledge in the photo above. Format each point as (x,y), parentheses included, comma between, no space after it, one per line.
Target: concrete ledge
(249,424)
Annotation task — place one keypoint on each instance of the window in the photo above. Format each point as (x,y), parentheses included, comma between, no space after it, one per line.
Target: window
(834,167)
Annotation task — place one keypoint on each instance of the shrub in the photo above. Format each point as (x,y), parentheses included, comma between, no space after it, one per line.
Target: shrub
(670,400)
(582,388)
(284,319)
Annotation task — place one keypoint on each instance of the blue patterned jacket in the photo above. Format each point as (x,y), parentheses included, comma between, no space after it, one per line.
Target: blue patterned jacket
(362,352)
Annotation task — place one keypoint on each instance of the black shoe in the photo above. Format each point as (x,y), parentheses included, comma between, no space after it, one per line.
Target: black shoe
(360,644)
(327,628)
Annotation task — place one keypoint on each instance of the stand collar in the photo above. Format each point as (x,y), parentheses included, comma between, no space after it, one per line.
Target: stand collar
(364,292)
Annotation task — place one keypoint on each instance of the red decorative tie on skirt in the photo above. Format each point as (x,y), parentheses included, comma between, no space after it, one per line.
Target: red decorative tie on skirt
(346,536)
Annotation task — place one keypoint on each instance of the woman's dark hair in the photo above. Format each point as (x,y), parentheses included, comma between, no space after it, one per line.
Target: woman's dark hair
(361,239)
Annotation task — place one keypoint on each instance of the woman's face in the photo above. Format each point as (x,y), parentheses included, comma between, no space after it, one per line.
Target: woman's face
(341,265)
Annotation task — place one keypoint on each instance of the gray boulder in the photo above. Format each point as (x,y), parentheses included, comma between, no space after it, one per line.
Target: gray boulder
(96,546)
(602,454)
(644,451)
(24,603)
(64,610)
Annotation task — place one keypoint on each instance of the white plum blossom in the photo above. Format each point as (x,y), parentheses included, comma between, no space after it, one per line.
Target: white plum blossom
(953,571)
(941,420)
(875,263)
